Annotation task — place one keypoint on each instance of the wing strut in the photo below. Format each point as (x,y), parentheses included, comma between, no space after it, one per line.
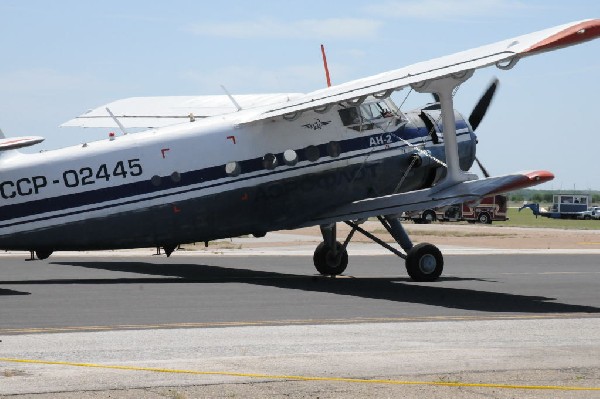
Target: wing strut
(443,87)
(114,118)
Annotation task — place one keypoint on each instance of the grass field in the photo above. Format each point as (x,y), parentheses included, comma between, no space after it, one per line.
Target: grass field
(525,218)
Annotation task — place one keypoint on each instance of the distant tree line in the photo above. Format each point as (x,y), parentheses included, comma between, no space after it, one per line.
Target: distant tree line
(547,195)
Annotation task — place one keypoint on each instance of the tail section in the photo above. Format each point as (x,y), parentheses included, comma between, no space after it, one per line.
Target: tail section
(12,143)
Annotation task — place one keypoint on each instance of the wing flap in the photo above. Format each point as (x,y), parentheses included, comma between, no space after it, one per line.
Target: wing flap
(433,197)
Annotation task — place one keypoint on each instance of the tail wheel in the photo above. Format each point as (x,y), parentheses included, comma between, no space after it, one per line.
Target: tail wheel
(43,254)
(329,263)
(424,262)
(484,218)
(169,249)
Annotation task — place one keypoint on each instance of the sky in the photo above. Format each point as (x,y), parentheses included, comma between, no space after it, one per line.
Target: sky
(61,58)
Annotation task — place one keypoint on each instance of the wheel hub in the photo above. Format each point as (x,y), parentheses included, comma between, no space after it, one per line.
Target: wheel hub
(427,264)
(332,260)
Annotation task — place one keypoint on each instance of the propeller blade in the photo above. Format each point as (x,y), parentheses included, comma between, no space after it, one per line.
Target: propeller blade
(483,170)
(482,105)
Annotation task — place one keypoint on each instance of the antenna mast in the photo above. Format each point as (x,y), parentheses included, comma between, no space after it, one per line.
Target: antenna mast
(325,65)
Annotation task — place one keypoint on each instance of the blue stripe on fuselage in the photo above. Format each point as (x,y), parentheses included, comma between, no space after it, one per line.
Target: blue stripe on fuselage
(191,178)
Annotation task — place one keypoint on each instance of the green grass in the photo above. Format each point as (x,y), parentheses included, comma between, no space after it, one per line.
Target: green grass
(525,218)
(444,233)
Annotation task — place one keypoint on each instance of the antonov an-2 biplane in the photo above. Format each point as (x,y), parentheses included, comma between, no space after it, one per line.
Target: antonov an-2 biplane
(213,167)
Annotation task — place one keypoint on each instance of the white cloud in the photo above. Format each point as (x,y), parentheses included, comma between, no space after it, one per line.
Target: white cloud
(302,29)
(443,9)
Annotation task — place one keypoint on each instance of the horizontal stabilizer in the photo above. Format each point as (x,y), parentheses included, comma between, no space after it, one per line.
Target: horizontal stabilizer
(153,112)
(12,143)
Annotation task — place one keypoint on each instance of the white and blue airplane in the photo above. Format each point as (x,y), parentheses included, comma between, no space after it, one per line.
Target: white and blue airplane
(212,167)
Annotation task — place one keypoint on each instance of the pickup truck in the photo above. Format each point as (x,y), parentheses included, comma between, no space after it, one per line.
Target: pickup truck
(591,213)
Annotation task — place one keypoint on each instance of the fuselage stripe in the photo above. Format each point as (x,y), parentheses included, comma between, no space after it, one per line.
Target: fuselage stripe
(14,214)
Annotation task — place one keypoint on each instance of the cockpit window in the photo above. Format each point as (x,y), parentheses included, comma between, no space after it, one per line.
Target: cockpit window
(376,110)
(366,115)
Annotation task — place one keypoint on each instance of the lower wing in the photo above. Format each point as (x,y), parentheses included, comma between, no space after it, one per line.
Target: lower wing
(432,197)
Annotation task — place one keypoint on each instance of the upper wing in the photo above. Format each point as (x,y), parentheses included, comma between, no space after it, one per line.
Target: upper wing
(432,197)
(163,111)
(149,112)
(504,54)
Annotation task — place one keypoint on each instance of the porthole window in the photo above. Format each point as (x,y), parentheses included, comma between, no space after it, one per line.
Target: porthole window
(233,169)
(334,149)
(290,157)
(312,153)
(176,177)
(155,180)
(270,161)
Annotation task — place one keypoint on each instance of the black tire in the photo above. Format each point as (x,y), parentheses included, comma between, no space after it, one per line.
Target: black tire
(43,254)
(424,262)
(587,217)
(428,216)
(484,218)
(326,263)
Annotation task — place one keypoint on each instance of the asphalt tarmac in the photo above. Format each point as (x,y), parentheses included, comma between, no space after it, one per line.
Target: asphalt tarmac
(255,326)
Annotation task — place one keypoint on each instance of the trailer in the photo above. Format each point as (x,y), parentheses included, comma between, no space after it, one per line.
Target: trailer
(488,209)
(564,206)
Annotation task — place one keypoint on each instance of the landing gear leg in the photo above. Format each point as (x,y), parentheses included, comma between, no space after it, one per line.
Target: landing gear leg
(424,262)
(331,257)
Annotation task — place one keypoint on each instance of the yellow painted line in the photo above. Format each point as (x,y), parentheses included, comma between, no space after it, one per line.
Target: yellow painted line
(588,243)
(302,378)
(265,323)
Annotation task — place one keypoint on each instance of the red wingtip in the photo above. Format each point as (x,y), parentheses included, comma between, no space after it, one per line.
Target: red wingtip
(541,176)
(534,178)
(579,33)
(527,179)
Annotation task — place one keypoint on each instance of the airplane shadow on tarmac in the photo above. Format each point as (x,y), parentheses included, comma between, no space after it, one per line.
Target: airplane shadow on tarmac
(391,289)
(4,292)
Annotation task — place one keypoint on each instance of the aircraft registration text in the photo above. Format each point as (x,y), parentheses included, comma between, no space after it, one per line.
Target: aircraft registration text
(71,178)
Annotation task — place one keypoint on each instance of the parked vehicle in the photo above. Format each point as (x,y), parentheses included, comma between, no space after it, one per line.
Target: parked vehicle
(591,213)
(564,206)
(491,208)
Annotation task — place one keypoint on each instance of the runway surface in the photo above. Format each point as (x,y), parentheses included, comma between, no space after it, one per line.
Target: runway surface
(268,326)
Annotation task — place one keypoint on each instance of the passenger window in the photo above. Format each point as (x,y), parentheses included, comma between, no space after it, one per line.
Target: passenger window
(349,116)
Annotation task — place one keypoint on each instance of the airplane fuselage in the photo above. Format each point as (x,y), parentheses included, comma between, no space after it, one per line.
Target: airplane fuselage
(214,178)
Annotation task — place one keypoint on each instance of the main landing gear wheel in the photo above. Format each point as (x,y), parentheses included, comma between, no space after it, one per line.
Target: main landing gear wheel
(424,262)
(328,262)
